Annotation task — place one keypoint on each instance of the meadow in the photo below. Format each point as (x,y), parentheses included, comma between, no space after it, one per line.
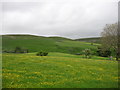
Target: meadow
(48,44)
(58,70)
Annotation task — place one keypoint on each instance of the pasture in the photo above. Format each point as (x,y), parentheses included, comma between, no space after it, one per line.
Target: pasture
(58,70)
(48,44)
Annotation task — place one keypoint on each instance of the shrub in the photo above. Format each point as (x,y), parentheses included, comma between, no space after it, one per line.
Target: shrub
(39,54)
(45,53)
(87,53)
(103,53)
(42,54)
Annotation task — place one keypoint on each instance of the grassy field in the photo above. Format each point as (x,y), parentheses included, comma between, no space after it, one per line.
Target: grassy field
(48,44)
(58,70)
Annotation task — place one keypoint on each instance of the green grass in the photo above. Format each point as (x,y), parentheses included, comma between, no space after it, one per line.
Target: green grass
(48,44)
(58,70)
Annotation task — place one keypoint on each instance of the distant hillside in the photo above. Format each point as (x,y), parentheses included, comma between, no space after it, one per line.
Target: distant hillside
(60,38)
(91,40)
(49,44)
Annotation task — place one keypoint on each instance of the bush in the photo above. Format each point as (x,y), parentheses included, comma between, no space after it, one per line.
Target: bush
(45,53)
(42,54)
(103,53)
(87,53)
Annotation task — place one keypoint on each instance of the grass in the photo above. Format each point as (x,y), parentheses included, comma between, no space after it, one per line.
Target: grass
(48,44)
(58,70)
(92,40)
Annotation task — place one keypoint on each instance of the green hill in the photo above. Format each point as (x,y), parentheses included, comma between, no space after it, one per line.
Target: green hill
(49,44)
(57,70)
(91,40)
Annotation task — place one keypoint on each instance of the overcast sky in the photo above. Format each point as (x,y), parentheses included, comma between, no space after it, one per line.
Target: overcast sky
(66,18)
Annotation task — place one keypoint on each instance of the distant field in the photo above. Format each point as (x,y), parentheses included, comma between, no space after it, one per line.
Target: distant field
(58,70)
(49,44)
(91,40)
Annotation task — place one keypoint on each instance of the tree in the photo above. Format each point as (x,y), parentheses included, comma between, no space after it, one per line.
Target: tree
(110,38)
(87,53)
(103,53)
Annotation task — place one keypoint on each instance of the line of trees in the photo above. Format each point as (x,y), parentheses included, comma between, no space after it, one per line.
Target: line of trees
(16,50)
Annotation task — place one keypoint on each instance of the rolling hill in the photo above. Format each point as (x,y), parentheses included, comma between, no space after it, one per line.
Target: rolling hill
(49,44)
(91,40)
(60,69)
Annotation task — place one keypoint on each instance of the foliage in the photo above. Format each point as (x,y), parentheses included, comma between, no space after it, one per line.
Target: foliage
(20,50)
(42,54)
(16,50)
(103,52)
(110,39)
(87,53)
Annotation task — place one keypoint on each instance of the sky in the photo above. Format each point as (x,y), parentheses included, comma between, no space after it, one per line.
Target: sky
(66,18)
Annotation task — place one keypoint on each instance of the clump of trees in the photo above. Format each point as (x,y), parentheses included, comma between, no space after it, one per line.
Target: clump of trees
(103,52)
(42,53)
(111,39)
(16,50)
(87,53)
(20,50)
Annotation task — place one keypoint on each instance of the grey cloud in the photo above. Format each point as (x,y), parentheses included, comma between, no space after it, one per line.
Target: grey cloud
(69,18)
